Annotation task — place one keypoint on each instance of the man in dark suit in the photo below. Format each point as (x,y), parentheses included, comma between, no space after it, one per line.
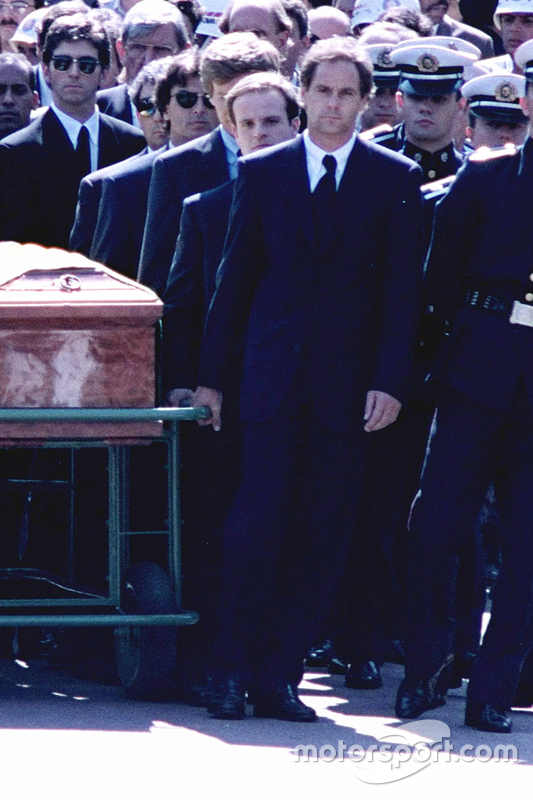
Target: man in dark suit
(152,29)
(42,165)
(155,130)
(204,163)
(119,224)
(264,110)
(319,283)
(479,278)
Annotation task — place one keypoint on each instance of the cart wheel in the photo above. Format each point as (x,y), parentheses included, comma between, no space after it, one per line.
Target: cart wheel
(146,656)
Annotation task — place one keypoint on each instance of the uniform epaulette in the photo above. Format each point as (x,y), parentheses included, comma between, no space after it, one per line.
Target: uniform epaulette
(377,133)
(437,187)
(489,153)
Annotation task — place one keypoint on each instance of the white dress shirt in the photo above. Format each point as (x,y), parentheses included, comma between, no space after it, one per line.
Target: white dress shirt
(315,155)
(73,127)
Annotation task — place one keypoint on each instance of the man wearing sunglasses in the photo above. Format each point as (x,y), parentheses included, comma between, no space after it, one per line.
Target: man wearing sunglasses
(42,165)
(204,163)
(152,30)
(117,225)
(155,129)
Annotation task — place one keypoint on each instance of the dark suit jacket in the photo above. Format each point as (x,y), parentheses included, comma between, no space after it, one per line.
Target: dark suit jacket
(191,282)
(39,186)
(351,309)
(115,102)
(89,195)
(483,242)
(119,227)
(451,27)
(194,167)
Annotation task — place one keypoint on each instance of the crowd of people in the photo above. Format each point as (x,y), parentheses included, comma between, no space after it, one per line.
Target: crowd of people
(334,205)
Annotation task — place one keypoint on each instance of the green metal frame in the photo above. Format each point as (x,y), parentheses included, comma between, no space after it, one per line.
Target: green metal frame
(119,527)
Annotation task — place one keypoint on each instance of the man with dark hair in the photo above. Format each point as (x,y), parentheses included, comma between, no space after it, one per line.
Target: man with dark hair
(155,130)
(431,75)
(118,222)
(18,97)
(42,165)
(152,29)
(315,266)
(204,163)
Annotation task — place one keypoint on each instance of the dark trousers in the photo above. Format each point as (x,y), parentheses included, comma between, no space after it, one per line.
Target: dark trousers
(469,446)
(286,538)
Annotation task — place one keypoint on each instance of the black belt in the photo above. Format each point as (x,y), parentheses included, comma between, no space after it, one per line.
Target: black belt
(489,303)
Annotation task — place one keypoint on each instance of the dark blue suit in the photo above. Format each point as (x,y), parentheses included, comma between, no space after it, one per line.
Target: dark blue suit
(89,196)
(210,459)
(484,430)
(194,167)
(115,102)
(39,187)
(118,232)
(319,328)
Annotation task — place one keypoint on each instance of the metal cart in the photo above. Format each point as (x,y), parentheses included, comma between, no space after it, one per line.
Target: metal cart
(143,602)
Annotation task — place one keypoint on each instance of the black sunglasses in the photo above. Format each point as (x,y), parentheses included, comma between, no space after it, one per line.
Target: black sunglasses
(187,99)
(146,107)
(86,64)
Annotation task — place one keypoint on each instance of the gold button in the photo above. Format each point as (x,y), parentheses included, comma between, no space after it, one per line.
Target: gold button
(529,297)
(432,174)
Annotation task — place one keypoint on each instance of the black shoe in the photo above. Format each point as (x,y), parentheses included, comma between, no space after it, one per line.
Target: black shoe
(336,666)
(228,700)
(363,675)
(489,718)
(320,656)
(283,703)
(415,698)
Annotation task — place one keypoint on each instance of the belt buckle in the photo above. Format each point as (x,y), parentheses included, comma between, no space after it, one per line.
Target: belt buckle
(521,314)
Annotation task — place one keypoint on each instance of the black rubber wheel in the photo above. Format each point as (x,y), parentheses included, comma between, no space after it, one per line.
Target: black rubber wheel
(146,656)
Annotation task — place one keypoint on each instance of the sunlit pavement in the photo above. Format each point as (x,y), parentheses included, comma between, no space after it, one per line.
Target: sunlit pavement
(64,737)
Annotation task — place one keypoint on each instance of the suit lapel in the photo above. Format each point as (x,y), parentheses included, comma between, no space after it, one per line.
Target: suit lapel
(356,175)
(296,178)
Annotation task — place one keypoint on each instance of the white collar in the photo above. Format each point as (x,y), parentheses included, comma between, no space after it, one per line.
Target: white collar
(73,126)
(315,156)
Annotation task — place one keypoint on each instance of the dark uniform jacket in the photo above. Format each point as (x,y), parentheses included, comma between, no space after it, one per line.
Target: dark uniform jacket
(482,243)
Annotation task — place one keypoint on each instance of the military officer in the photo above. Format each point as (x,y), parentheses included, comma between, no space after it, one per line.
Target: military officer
(495,117)
(430,101)
(478,277)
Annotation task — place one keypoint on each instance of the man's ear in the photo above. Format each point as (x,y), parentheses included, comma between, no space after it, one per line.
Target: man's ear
(46,73)
(121,50)
(523,104)
(399,99)
(295,125)
(36,101)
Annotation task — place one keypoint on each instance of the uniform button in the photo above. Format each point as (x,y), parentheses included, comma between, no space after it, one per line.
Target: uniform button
(432,174)
(531,277)
(529,297)
(298,349)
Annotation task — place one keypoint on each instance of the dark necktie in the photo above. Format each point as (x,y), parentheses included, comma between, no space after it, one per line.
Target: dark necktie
(83,153)
(324,202)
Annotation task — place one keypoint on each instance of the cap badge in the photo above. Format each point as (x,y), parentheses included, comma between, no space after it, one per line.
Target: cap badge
(383,59)
(428,63)
(505,92)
